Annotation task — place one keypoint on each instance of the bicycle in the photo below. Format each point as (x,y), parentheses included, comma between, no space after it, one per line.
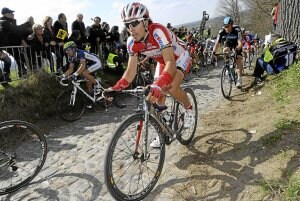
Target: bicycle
(228,75)
(195,68)
(143,76)
(23,152)
(70,103)
(129,156)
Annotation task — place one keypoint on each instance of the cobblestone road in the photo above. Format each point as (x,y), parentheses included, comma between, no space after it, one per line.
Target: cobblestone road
(75,162)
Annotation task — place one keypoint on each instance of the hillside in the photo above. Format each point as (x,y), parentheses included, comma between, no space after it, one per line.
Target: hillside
(248,148)
(247,21)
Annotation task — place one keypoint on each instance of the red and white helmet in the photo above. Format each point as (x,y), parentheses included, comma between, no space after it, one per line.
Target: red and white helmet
(134,11)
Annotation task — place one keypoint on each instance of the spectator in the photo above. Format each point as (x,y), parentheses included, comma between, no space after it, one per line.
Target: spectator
(26,28)
(75,37)
(96,36)
(274,14)
(13,37)
(38,43)
(114,35)
(50,37)
(79,25)
(4,57)
(61,35)
(123,42)
(115,61)
(277,56)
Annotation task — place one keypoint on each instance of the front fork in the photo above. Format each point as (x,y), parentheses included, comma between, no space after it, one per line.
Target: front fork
(73,96)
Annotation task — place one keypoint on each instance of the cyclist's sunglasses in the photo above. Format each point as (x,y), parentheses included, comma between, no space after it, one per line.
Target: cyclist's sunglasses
(132,24)
(226,26)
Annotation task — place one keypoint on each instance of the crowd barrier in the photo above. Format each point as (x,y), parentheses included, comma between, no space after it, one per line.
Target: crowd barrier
(19,61)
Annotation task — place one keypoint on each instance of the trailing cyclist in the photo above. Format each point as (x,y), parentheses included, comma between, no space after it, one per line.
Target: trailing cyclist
(231,34)
(248,46)
(83,63)
(156,41)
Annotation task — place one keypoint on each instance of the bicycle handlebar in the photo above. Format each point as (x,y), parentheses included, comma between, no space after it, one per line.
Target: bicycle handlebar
(62,82)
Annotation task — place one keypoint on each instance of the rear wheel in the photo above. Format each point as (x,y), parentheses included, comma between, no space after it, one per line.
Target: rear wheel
(70,107)
(186,135)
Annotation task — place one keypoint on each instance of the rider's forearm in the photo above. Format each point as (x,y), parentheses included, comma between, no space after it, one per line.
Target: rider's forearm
(130,72)
(240,45)
(216,47)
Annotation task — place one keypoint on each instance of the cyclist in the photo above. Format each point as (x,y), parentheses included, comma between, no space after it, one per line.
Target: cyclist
(192,48)
(248,45)
(156,41)
(86,62)
(233,40)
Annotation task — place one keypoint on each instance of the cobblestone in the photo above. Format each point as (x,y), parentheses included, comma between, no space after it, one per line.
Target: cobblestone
(75,162)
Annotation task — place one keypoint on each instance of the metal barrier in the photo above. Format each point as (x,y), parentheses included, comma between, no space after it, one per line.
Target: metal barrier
(18,61)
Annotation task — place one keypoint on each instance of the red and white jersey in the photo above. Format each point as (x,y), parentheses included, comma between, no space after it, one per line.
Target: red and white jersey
(159,38)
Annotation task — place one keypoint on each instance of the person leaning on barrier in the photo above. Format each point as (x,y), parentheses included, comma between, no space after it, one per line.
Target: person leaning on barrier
(4,57)
(39,45)
(276,57)
(13,37)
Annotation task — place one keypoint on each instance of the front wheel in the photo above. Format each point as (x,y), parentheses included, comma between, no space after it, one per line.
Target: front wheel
(70,106)
(226,82)
(186,135)
(129,172)
(23,151)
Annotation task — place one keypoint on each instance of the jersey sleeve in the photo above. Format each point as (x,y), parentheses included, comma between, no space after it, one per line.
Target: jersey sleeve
(220,35)
(163,37)
(130,43)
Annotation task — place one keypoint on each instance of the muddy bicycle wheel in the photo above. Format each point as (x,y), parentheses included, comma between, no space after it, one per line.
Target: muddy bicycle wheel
(23,152)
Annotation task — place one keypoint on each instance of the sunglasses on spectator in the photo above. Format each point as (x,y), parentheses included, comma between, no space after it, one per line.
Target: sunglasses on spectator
(132,24)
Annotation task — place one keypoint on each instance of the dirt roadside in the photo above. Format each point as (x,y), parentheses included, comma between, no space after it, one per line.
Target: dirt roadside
(241,149)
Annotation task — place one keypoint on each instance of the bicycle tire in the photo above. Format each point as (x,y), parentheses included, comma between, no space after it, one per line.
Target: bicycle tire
(139,80)
(251,57)
(188,76)
(16,153)
(64,109)
(226,74)
(179,118)
(127,154)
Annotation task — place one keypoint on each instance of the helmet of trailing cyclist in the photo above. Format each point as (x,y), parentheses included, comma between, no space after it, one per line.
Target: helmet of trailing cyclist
(228,20)
(69,45)
(134,11)
(243,30)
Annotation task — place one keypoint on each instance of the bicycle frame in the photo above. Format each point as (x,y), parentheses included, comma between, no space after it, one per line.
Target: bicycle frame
(147,110)
(76,87)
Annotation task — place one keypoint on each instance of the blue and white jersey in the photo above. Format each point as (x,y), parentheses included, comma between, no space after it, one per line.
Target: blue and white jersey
(82,54)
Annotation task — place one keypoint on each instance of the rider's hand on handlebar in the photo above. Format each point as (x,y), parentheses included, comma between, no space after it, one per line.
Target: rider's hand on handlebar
(121,84)
(72,77)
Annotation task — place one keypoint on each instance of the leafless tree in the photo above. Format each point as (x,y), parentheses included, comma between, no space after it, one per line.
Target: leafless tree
(230,8)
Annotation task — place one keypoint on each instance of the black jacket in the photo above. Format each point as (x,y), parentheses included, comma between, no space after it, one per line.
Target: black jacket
(81,28)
